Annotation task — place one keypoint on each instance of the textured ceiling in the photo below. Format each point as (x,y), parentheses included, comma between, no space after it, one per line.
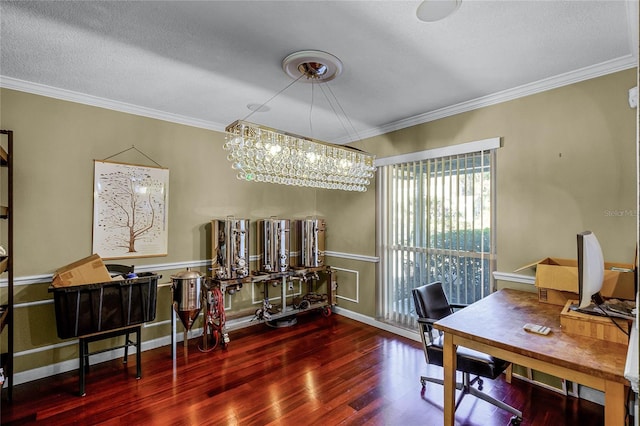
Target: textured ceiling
(202,63)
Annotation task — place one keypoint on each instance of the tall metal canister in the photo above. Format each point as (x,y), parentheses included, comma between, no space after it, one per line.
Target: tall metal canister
(273,244)
(310,242)
(186,297)
(230,247)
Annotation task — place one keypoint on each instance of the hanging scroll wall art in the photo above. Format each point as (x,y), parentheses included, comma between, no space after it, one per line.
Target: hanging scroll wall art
(130,210)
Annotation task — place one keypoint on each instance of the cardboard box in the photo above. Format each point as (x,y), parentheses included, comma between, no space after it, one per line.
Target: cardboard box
(594,326)
(555,297)
(561,275)
(84,271)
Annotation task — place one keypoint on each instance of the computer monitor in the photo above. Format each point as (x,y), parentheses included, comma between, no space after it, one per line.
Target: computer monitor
(590,269)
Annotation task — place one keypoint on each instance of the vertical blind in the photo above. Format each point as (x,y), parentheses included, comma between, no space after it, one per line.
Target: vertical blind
(437,224)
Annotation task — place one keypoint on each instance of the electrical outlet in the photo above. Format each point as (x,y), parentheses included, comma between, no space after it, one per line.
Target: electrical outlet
(633,97)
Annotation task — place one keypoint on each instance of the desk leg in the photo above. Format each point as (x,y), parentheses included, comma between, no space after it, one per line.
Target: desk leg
(449,363)
(614,404)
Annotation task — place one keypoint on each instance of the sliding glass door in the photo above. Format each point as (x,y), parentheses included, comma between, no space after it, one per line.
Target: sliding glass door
(437,224)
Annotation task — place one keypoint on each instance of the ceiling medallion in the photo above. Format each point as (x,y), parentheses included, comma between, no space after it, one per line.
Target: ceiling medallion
(315,65)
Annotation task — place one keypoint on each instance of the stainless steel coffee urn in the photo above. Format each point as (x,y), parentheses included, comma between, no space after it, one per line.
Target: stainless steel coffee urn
(273,244)
(186,297)
(310,242)
(230,247)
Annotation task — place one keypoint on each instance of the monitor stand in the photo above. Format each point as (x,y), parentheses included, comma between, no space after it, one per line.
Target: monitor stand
(605,309)
(592,309)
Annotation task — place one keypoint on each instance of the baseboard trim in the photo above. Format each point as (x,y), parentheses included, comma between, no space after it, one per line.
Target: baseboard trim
(72,364)
(413,335)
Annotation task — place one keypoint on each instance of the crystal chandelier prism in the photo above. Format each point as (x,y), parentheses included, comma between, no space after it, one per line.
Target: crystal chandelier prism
(262,154)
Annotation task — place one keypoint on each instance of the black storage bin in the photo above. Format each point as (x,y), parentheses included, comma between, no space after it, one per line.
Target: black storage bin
(96,308)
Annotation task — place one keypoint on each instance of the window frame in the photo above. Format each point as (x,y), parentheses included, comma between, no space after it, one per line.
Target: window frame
(383,213)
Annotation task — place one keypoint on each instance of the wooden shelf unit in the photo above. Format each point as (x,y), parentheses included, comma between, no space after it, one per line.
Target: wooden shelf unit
(4,313)
(6,263)
(4,157)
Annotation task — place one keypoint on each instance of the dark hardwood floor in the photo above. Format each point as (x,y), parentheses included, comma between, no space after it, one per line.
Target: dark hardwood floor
(322,371)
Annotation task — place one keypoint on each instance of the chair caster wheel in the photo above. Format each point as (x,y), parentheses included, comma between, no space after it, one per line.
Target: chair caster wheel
(515,421)
(480,382)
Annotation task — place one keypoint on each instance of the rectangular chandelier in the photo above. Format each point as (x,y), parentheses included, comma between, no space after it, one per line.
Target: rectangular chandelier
(262,154)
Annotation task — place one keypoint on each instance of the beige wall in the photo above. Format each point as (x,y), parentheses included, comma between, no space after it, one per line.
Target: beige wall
(567,164)
(55,145)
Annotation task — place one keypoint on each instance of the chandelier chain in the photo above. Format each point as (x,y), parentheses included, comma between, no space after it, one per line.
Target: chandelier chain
(344,114)
(273,97)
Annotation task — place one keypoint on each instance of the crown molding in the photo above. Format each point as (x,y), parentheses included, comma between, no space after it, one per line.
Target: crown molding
(82,98)
(587,73)
(608,67)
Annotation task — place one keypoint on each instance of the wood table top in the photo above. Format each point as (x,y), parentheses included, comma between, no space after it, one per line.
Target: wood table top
(497,321)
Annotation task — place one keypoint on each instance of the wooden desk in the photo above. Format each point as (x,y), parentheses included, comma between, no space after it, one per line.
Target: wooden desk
(494,325)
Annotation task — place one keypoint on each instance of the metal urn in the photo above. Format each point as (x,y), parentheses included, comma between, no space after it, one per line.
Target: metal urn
(230,247)
(311,242)
(273,244)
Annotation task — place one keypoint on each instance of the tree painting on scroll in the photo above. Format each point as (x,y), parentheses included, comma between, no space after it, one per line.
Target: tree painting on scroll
(130,210)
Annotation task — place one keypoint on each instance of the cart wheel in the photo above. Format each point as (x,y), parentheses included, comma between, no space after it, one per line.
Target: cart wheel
(326,311)
(224,340)
(515,421)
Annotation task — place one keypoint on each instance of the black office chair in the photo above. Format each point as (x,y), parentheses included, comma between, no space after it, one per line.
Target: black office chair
(432,305)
